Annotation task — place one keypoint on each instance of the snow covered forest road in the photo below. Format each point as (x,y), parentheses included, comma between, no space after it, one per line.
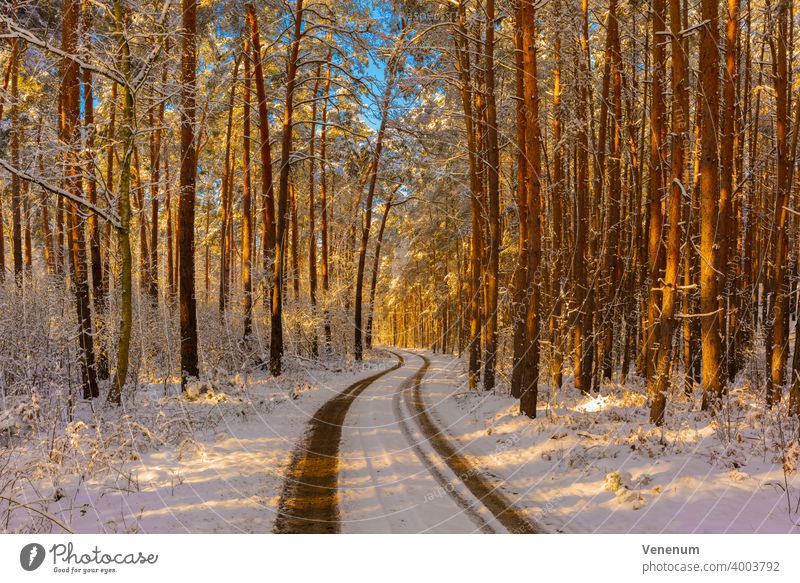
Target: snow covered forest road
(400,444)
(385,466)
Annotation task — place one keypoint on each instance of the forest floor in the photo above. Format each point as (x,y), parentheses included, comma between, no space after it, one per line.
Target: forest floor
(596,464)
(210,463)
(417,452)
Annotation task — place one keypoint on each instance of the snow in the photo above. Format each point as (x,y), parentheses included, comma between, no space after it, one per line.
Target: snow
(596,465)
(225,476)
(213,461)
(385,482)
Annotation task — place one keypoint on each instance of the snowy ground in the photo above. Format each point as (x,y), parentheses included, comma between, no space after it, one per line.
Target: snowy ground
(224,475)
(597,465)
(215,462)
(391,480)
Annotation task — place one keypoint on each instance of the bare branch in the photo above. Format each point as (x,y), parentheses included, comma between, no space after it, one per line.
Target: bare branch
(108,216)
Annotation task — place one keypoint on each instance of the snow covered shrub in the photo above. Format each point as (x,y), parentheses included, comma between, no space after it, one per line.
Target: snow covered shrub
(37,346)
(616,480)
(790,456)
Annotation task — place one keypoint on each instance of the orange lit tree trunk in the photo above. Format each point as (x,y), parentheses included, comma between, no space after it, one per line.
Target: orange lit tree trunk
(530,371)
(680,113)
(70,91)
(709,205)
(267,188)
(461,41)
(655,248)
(778,340)
(727,141)
(247,212)
(557,209)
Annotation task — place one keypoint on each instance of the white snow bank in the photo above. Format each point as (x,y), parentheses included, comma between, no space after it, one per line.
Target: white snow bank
(210,461)
(596,464)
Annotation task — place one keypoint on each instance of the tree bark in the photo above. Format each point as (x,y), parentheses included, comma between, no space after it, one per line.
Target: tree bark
(375,268)
(493,199)
(680,112)
(312,236)
(70,90)
(267,188)
(709,205)
(461,41)
(247,212)
(373,179)
(530,375)
(16,190)
(778,343)
(124,209)
(323,184)
(226,203)
(276,333)
(186,211)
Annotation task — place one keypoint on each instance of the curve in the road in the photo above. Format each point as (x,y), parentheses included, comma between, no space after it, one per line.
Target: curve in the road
(309,501)
(402,420)
(497,503)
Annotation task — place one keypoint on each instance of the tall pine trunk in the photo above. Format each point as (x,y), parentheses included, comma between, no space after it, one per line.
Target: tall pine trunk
(709,205)
(186,210)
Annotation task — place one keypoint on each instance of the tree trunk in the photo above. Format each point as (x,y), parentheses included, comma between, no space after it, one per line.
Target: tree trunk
(520,281)
(530,374)
(16,131)
(727,141)
(461,40)
(225,203)
(267,188)
(70,89)
(186,211)
(655,249)
(247,213)
(582,330)
(157,160)
(777,345)
(124,210)
(709,205)
(324,200)
(276,333)
(312,236)
(373,178)
(680,113)
(295,241)
(375,269)
(493,193)
(557,208)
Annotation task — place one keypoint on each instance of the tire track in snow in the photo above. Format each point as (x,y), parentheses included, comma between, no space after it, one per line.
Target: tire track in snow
(489,495)
(309,502)
(403,390)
